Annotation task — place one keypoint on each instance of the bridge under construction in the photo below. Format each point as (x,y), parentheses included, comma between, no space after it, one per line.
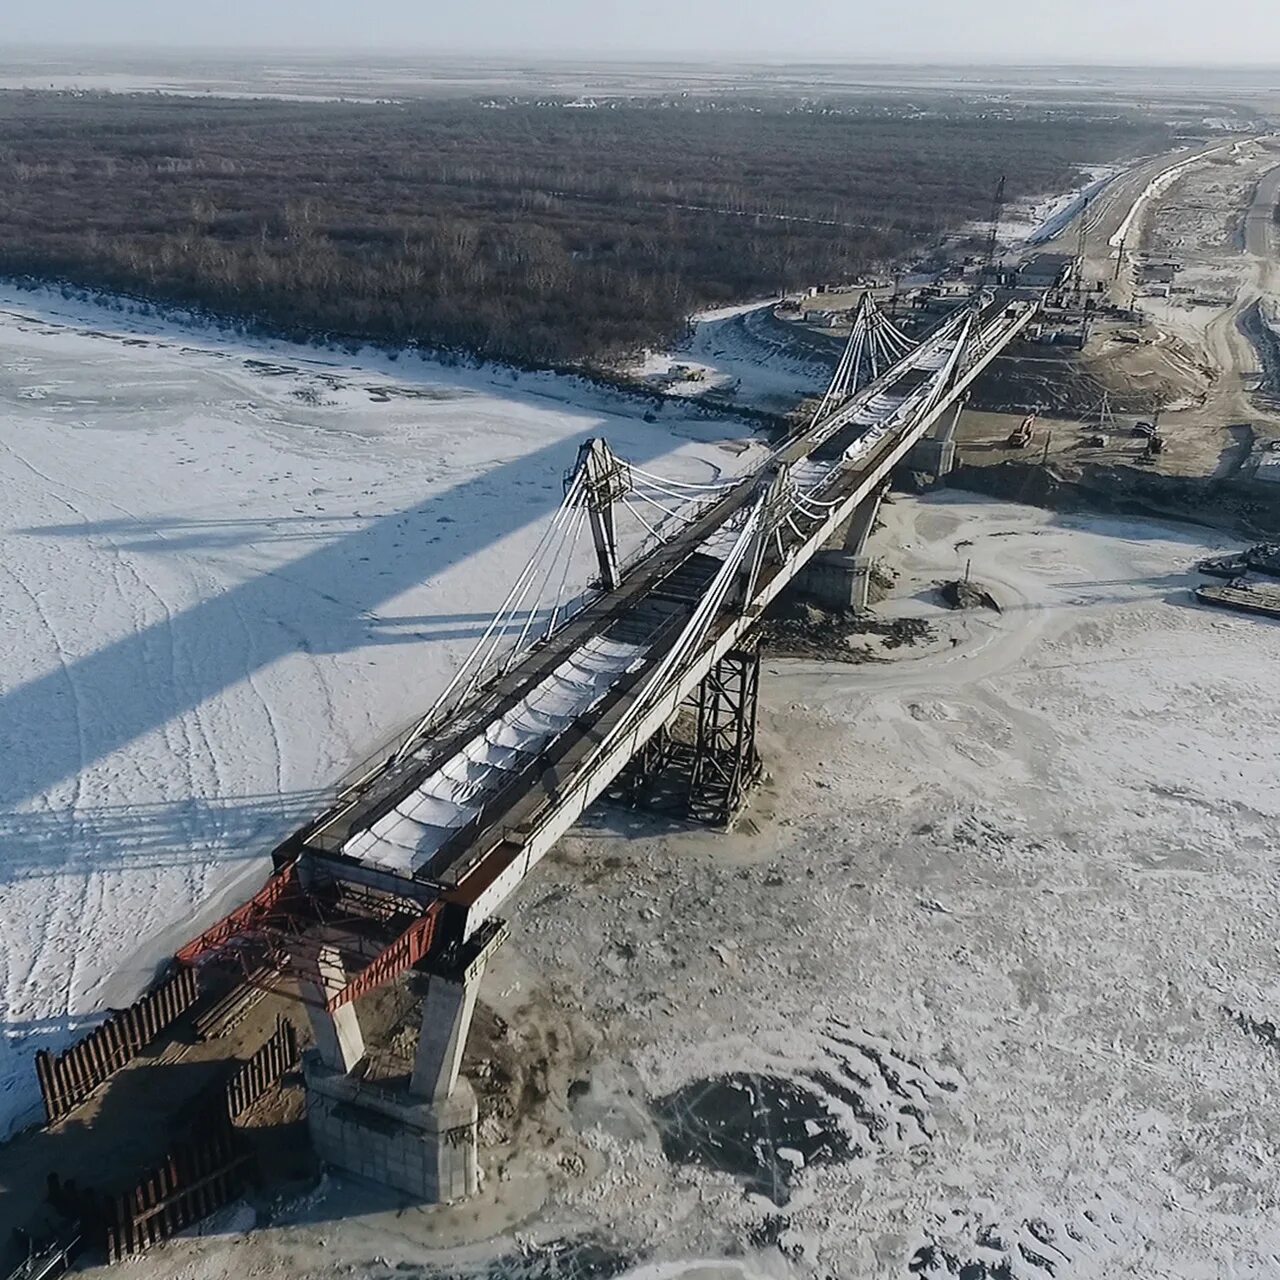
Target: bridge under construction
(644,686)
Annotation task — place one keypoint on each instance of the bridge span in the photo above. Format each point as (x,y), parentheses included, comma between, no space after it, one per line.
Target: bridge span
(646,686)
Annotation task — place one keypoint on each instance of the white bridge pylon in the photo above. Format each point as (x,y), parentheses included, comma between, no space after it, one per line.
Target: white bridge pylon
(875,345)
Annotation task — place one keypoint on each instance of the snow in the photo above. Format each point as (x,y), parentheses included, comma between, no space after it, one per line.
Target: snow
(740,355)
(1158,185)
(231,570)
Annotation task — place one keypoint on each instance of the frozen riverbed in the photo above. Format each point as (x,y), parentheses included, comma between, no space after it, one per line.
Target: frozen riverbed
(229,572)
(984,984)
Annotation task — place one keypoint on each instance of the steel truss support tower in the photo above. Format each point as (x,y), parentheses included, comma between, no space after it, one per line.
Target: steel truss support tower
(703,765)
(726,763)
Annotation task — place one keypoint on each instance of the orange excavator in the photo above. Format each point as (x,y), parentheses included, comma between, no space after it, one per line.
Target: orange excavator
(1020,436)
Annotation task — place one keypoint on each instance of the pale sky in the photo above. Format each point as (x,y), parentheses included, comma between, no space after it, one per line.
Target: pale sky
(1116,31)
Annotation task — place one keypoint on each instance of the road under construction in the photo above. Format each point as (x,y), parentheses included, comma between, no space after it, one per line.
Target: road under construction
(409,867)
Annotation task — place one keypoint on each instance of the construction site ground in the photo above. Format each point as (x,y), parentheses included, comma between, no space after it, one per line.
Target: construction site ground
(986,968)
(1201,362)
(128,1124)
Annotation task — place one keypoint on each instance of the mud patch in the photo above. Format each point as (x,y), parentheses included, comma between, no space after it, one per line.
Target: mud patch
(961,593)
(761,1129)
(800,629)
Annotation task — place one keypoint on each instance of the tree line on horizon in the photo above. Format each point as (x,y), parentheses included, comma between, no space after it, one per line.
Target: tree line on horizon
(531,233)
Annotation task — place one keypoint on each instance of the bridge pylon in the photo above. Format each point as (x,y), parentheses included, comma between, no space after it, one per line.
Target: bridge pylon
(777,491)
(605,480)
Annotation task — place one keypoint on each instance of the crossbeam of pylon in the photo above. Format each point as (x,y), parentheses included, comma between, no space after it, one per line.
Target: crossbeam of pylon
(410,947)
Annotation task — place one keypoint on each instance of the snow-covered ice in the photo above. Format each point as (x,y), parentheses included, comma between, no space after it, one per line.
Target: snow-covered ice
(230,571)
(741,355)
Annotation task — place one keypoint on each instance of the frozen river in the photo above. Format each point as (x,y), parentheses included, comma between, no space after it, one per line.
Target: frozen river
(229,572)
(983,986)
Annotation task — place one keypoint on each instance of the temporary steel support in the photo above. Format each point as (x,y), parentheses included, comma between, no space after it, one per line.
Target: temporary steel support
(280,887)
(725,762)
(278,939)
(605,480)
(702,770)
(405,952)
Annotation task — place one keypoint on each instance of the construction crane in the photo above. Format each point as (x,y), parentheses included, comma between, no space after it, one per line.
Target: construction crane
(993,236)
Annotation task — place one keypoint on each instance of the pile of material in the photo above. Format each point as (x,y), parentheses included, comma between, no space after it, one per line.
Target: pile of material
(961,593)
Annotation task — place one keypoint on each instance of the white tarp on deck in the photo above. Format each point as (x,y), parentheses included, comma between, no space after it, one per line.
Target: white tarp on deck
(414,831)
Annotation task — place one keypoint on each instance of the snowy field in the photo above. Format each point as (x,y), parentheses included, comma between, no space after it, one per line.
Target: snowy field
(230,571)
(983,987)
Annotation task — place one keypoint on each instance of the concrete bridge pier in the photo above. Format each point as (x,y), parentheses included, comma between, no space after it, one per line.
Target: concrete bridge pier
(935,455)
(419,1137)
(447,1012)
(856,538)
(339,1039)
(842,579)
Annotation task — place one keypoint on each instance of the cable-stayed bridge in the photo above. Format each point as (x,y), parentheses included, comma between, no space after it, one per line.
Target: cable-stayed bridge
(645,685)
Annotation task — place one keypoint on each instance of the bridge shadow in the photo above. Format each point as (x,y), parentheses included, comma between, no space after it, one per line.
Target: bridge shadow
(190,832)
(324,600)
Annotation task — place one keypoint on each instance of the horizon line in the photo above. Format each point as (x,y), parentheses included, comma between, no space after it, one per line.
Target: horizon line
(640,57)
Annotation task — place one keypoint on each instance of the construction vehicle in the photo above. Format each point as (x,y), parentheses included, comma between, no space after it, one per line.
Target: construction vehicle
(1020,436)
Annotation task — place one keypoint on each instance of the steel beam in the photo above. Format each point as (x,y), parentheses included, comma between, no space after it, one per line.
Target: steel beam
(280,886)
